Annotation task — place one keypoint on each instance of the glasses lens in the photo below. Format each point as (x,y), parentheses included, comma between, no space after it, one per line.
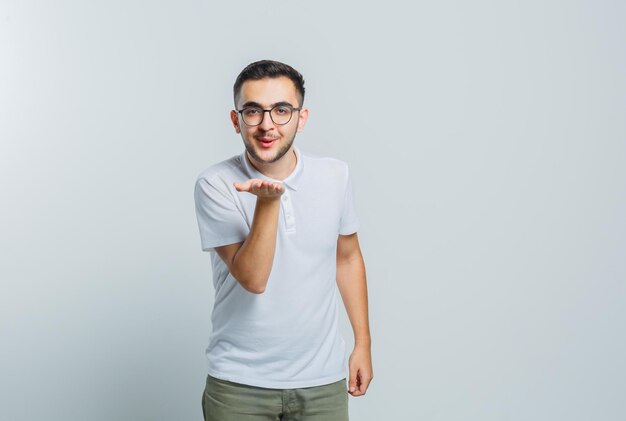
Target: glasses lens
(252,115)
(281,114)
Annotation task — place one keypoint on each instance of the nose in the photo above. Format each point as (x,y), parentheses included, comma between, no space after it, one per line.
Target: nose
(267,123)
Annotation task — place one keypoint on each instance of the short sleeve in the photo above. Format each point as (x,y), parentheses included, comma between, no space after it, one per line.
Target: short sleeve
(349,221)
(219,220)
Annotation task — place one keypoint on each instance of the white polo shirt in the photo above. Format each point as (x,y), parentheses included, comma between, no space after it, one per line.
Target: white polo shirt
(288,336)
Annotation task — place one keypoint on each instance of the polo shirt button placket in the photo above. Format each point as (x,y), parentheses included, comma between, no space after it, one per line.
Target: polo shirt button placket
(290,223)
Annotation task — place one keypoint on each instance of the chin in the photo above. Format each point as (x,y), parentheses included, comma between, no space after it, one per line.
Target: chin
(262,155)
(266,159)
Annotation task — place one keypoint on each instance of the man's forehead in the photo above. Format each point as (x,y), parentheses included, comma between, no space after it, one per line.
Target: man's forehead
(269,91)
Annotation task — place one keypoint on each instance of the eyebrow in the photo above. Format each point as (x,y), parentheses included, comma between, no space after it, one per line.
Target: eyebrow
(256,104)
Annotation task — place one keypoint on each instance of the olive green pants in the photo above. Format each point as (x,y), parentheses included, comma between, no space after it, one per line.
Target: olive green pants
(227,401)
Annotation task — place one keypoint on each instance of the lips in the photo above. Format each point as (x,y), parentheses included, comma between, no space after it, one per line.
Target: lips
(266,142)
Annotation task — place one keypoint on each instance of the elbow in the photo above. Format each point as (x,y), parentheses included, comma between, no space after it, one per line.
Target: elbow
(257,290)
(251,284)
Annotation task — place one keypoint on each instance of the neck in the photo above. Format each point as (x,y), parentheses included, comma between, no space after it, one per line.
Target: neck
(278,170)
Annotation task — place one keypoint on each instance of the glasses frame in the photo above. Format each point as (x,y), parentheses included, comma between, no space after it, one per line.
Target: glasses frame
(269,111)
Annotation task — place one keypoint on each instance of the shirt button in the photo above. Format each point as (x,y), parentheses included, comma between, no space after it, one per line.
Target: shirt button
(284,198)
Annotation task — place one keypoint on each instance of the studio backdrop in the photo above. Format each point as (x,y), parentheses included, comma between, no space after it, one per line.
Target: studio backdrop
(486,144)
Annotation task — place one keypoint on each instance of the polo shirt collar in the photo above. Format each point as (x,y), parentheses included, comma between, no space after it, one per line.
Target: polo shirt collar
(292,181)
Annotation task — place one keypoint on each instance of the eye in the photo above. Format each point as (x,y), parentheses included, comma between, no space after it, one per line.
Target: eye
(251,111)
(282,110)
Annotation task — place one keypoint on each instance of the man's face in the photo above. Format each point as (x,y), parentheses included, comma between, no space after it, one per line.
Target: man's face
(268,142)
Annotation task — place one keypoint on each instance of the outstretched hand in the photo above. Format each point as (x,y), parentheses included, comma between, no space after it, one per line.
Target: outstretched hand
(261,188)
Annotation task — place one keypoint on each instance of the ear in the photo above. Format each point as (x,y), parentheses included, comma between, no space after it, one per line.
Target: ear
(303,116)
(234,117)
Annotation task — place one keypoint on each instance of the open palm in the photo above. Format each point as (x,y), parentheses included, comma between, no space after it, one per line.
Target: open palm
(261,188)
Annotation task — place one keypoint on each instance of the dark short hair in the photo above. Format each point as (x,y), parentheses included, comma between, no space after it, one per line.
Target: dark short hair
(269,69)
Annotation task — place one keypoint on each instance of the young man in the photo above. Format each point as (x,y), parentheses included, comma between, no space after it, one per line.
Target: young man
(281,229)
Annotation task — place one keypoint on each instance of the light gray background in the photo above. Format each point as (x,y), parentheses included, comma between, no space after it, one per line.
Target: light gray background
(486,142)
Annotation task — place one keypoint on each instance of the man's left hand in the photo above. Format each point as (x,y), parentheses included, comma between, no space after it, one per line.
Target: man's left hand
(360,364)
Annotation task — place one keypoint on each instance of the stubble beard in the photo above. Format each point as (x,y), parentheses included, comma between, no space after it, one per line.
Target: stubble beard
(281,152)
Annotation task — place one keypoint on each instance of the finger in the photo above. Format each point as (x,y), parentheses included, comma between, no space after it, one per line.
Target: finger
(266,186)
(245,186)
(357,391)
(365,383)
(278,188)
(357,385)
(352,386)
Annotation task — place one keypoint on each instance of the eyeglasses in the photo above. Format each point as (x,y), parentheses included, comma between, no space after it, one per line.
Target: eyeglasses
(280,114)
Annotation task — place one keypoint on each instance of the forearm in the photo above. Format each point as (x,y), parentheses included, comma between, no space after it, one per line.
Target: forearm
(252,263)
(352,284)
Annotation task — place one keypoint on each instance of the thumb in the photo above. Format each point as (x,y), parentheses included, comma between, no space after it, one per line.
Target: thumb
(242,186)
(352,383)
